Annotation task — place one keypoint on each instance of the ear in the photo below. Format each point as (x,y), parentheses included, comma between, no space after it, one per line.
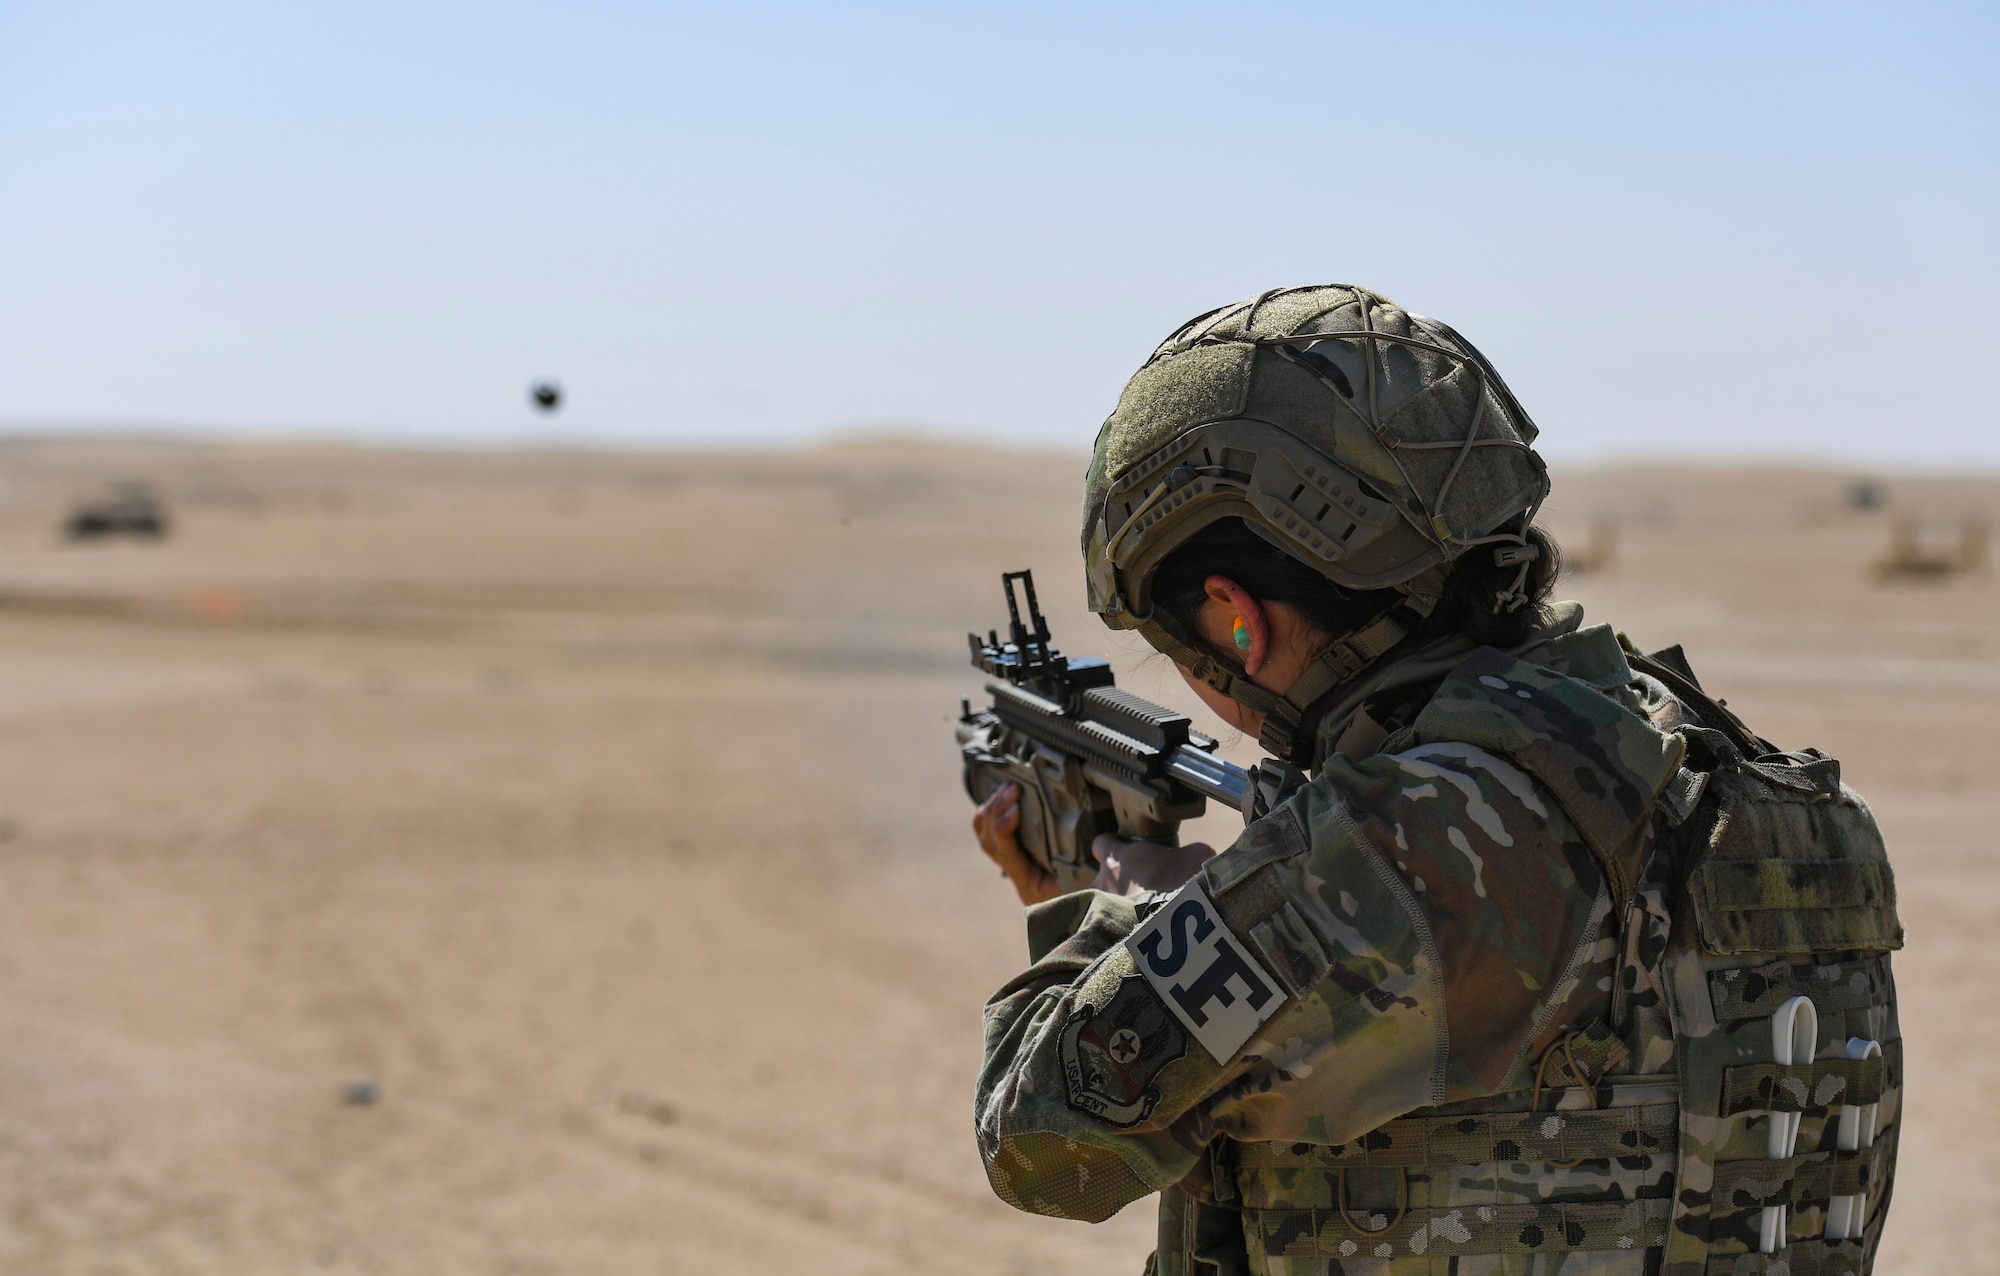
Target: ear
(1227,601)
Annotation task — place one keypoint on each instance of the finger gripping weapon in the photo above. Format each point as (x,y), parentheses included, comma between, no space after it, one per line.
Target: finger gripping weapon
(1088,757)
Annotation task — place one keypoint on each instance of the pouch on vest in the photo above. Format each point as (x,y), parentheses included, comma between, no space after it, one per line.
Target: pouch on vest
(1785,892)
(1201,1226)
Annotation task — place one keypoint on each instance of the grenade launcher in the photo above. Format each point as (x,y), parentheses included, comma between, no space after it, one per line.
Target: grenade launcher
(1088,757)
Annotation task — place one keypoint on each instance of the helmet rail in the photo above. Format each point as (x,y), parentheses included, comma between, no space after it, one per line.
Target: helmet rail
(1375,445)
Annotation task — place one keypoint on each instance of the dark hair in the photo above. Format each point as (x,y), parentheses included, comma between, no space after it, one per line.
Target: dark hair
(1229,548)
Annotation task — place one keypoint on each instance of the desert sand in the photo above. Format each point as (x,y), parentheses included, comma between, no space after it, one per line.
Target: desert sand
(601,813)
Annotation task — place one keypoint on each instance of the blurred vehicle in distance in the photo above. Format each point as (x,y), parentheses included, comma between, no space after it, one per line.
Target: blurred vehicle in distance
(132,509)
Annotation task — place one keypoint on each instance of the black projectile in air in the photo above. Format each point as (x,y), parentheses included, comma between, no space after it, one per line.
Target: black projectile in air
(545,395)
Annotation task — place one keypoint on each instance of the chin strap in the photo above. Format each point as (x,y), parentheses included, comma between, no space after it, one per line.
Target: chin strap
(1290,720)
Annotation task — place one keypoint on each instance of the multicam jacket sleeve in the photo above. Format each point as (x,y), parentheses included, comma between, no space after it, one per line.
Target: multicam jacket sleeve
(1431,920)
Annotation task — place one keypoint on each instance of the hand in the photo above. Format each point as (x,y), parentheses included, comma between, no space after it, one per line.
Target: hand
(994,823)
(1130,868)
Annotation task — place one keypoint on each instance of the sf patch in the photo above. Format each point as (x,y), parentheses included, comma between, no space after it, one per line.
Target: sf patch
(1204,973)
(1111,1057)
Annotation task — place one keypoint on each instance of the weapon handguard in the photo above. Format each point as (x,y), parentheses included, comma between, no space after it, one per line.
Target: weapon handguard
(1090,758)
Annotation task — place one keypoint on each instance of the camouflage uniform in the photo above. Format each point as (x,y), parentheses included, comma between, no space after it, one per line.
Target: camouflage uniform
(1499,989)
(1466,1062)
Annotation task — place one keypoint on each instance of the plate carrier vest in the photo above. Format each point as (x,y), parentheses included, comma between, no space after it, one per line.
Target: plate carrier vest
(1673,1138)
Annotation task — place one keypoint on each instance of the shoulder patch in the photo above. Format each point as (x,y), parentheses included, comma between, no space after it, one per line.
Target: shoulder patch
(1203,973)
(1111,1057)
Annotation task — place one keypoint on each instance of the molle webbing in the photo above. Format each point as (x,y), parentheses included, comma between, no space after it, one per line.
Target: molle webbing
(1504,1137)
(1467,1229)
(1800,1258)
(1811,1178)
(1756,992)
(1811,1087)
(1785,892)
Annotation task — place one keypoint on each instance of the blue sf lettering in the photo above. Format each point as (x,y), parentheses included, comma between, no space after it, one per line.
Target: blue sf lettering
(1204,973)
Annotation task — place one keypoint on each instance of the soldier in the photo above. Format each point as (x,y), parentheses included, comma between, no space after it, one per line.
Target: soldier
(1553,965)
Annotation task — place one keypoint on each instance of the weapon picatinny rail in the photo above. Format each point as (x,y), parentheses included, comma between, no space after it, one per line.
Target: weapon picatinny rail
(1089,757)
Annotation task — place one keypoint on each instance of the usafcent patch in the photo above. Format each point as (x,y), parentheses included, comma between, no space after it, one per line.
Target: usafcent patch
(1111,1057)
(1203,973)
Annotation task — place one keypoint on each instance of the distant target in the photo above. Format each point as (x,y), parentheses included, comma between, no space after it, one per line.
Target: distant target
(545,395)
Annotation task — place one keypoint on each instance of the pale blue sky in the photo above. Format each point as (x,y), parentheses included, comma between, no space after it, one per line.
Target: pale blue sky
(1677,229)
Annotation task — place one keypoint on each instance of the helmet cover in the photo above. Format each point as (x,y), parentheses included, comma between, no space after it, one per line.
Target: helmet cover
(1367,441)
(1371,443)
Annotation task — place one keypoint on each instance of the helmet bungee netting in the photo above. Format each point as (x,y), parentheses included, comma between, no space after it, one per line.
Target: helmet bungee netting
(1373,444)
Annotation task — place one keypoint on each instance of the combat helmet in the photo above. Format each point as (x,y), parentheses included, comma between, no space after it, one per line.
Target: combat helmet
(1371,443)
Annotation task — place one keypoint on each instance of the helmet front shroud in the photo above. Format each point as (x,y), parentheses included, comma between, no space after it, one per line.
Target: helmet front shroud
(1372,444)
